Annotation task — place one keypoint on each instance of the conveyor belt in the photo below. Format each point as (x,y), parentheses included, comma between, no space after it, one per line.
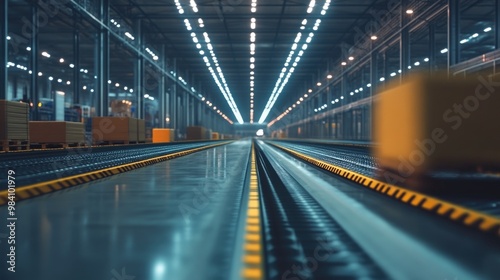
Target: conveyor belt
(375,233)
(301,239)
(173,220)
(359,160)
(40,166)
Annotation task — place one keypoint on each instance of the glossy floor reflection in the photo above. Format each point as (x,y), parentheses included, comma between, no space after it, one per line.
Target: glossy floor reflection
(172,220)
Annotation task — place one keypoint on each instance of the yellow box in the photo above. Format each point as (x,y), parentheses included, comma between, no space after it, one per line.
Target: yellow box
(433,123)
(163,135)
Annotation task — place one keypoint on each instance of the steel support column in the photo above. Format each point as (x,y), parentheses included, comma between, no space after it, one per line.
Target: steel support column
(103,62)
(139,72)
(373,88)
(453,32)
(173,99)
(76,62)
(4,13)
(34,94)
(497,24)
(404,41)
(162,89)
(432,47)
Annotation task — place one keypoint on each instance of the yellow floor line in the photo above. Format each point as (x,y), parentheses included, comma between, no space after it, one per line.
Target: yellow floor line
(37,189)
(253,267)
(454,212)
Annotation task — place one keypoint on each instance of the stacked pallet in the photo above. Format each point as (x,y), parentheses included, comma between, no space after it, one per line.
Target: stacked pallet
(61,134)
(215,136)
(14,132)
(114,130)
(163,135)
(196,133)
(141,131)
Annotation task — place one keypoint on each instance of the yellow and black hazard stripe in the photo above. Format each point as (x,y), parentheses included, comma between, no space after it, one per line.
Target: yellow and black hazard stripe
(70,181)
(253,267)
(454,212)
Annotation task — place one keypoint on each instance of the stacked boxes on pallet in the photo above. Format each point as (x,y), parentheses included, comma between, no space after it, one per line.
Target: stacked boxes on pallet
(215,136)
(61,133)
(13,124)
(114,130)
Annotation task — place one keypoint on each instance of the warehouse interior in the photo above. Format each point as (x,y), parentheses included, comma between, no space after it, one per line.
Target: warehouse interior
(249,139)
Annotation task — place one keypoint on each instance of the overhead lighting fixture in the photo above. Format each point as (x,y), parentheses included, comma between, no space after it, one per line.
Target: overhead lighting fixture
(311,6)
(329,76)
(284,77)
(318,84)
(409,12)
(351,58)
(46,54)
(129,36)
(216,73)
(487,29)
(61,60)
(445,50)
(373,37)
(343,63)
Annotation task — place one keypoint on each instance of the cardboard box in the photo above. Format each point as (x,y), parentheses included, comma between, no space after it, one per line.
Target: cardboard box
(14,117)
(141,130)
(431,123)
(163,135)
(196,133)
(114,129)
(57,132)
(215,136)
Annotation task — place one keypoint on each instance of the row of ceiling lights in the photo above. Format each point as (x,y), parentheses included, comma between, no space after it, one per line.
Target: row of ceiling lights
(283,78)
(155,57)
(117,85)
(219,76)
(253,23)
(381,79)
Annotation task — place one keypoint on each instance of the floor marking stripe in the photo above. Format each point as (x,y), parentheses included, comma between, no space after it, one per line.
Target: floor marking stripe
(454,212)
(252,261)
(40,188)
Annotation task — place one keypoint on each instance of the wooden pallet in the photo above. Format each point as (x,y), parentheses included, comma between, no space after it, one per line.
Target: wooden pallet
(116,142)
(16,145)
(56,145)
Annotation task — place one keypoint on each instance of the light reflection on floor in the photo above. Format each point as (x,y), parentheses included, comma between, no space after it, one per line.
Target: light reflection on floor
(165,221)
